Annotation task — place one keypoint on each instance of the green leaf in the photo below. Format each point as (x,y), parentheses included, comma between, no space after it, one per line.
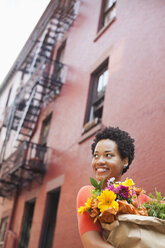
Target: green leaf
(101,183)
(162,216)
(155,207)
(151,196)
(94,183)
(158,195)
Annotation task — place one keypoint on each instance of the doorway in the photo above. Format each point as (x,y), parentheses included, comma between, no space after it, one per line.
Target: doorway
(26,224)
(48,228)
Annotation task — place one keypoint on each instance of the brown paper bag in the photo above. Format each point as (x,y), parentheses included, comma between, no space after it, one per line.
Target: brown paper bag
(135,231)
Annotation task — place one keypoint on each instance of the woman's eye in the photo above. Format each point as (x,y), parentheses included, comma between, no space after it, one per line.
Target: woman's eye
(95,155)
(108,155)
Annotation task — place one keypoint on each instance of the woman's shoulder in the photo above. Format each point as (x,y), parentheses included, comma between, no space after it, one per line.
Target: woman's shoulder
(85,189)
(83,194)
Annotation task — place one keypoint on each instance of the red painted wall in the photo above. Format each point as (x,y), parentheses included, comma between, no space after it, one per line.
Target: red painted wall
(134,101)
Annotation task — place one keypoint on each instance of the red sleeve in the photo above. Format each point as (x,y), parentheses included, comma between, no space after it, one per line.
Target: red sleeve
(85,222)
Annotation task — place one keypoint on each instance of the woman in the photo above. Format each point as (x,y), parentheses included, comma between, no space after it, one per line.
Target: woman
(113,152)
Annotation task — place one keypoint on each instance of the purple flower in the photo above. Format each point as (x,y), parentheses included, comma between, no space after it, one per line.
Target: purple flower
(111,187)
(133,192)
(110,181)
(122,191)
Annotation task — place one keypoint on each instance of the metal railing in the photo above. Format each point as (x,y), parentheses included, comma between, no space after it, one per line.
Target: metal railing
(24,164)
(54,73)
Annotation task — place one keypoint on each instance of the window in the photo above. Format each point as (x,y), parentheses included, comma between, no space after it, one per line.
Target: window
(48,228)
(99,80)
(3,228)
(45,130)
(108,13)
(26,225)
(58,69)
(60,52)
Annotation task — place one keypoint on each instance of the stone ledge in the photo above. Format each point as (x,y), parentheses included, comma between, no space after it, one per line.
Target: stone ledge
(89,133)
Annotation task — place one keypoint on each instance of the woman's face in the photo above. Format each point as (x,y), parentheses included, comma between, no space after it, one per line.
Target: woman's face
(106,162)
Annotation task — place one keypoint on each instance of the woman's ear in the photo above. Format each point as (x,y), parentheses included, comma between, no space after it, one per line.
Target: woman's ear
(125,162)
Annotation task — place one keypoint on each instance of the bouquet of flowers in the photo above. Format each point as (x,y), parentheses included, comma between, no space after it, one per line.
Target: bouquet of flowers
(116,199)
(125,223)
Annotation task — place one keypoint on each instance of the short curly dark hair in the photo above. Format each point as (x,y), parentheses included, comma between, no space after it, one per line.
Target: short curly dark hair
(123,140)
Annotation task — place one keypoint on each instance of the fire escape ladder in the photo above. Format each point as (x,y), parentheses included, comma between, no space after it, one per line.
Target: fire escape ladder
(29,117)
(36,63)
(59,23)
(46,78)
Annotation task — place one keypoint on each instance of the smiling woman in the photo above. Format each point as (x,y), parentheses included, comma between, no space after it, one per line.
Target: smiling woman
(107,161)
(113,152)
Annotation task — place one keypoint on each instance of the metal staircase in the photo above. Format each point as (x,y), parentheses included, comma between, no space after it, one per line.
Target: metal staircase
(29,117)
(46,77)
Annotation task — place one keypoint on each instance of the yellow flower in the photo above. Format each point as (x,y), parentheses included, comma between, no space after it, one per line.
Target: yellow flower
(85,208)
(88,204)
(128,183)
(116,184)
(81,210)
(107,200)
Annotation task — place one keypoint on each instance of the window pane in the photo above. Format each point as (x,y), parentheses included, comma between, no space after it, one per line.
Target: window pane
(45,130)
(102,81)
(60,53)
(100,84)
(109,4)
(59,69)
(3,228)
(109,16)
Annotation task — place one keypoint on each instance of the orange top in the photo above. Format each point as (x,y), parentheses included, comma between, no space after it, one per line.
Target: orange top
(85,222)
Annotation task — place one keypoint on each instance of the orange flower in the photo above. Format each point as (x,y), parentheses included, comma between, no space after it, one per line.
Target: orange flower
(138,191)
(94,212)
(126,208)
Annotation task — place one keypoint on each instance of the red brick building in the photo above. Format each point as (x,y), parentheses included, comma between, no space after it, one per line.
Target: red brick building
(86,65)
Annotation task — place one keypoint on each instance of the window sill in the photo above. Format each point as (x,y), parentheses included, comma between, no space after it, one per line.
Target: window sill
(103,29)
(90,133)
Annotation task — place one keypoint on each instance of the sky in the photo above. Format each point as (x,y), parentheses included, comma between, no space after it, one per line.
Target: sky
(17,20)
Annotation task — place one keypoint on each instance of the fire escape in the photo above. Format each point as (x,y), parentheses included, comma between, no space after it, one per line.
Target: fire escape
(45,80)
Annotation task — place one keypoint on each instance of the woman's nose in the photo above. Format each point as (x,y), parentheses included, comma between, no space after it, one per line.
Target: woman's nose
(101,160)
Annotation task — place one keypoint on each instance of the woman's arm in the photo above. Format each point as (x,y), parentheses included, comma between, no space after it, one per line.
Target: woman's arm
(90,232)
(93,239)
